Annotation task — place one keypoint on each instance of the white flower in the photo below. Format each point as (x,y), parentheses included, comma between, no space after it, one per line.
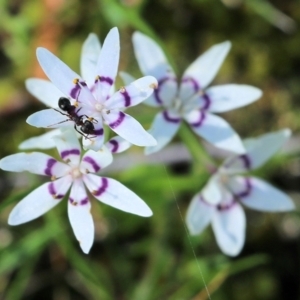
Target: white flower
(74,173)
(219,203)
(92,96)
(192,100)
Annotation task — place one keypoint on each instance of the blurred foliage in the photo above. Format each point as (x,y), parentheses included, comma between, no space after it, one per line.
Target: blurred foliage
(136,258)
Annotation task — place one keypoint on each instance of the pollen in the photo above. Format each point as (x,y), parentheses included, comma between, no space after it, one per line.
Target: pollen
(76,80)
(97,77)
(53,178)
(153,86)
(122,89)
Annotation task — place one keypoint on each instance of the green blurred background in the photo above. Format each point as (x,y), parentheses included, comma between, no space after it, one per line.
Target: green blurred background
(135,258)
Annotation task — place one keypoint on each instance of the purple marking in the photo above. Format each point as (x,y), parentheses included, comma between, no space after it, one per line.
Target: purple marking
(105,79)
(168,118)
(246,161)
(126,98)
(247,191)
(200,121)
(98,131)
(193,82)
(102,188)
(66,153)
(115,145)
(81,202)
(116,123)
(222,207)
(201,199)
(92,162)
(157,90)
(50,163)
(75,91)
(52,191)
(207,101)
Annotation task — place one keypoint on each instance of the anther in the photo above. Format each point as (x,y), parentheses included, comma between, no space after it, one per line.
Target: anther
(153,86)
(76,80)
(122,89)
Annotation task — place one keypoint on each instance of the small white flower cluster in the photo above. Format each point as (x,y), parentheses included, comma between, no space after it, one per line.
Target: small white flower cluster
(81,105)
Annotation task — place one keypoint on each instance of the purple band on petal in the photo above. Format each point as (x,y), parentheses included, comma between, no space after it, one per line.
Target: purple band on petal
(127,98)
(207,101)
(116,123)
(105,79)
(81,202)
(66,153)
(102,188)
(115,145)
(193,82)
(168,118)
(201,198)
(92,162)
(199,122)
(156,91)
(222,207)
(246,160)
(98,131)
(75,91)
(50,163)
(52,191)
(246,192)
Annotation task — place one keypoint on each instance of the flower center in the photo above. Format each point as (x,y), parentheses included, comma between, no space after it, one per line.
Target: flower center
(75,173)
(99,107)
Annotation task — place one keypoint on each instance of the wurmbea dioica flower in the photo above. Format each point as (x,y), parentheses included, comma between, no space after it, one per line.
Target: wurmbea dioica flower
(192,101)
(76,174)
(92,97)
(46,92)
(219,202)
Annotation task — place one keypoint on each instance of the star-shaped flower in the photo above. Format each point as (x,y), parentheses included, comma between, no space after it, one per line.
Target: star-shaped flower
(192,101)
(77,174)
(92,97)
(219,203)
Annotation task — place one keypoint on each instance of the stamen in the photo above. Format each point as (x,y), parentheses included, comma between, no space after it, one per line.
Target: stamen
(76,80)
(122,89)
(153,86)
(53,178)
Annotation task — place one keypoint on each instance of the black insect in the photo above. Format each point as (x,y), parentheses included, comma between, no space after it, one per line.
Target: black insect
(86,126)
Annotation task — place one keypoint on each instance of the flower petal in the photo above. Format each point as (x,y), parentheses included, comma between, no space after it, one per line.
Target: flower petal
(39,201)
(68,146)
(215,130)
(213,192)
(44,90)
(260,195)
(43,141)
(204,69)
(133,94)
(150,57)
(259,150)
(80,216)
(58,72)
(231,96)
(113,193)
(107,65)
(89,57)
(34,162)
(93,162)
(128,128)
(199,215)
(49,118)
(117,145)
(229,225)
(163,129)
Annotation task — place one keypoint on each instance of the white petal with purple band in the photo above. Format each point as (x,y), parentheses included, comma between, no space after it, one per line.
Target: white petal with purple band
(107,65)
(231,96)
(260,195)
(44,90)
(94,161)
(199,214)
(113,193)
(163,129)
(229,225)
(39,201)
(133,94)
(34,162)
(117,145)
(204,69)
(80,216)
(215,130)
(89,57)
(150,57)
(129,129)
(213,192)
